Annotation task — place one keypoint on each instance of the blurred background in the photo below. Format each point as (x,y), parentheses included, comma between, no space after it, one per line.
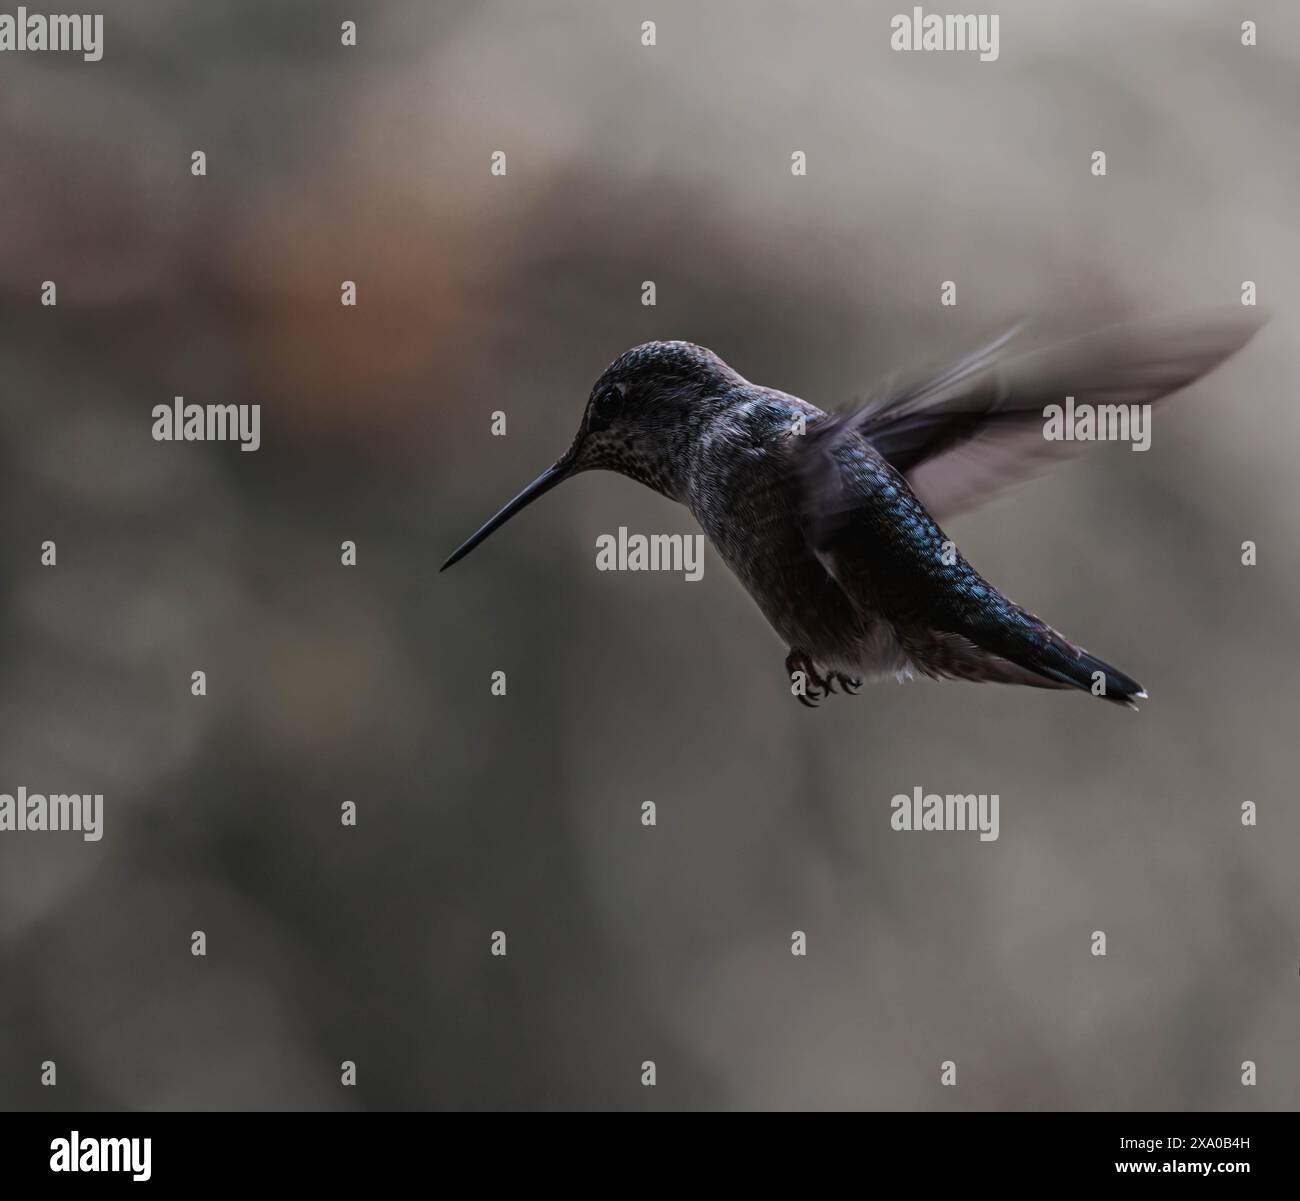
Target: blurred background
(371,684)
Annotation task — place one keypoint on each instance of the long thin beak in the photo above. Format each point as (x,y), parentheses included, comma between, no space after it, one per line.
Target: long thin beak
(553,475)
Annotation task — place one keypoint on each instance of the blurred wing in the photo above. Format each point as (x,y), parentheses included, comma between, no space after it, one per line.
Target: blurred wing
(977,426)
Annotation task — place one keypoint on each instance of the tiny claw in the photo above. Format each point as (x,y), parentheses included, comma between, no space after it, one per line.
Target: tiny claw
(814,687)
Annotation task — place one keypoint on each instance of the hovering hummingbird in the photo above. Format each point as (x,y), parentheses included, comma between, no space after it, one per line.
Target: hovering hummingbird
(829,520)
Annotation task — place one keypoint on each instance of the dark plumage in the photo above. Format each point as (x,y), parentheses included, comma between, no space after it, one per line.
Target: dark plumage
(828,520)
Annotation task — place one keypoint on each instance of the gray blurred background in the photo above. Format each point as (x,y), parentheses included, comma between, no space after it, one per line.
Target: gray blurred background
(522,813)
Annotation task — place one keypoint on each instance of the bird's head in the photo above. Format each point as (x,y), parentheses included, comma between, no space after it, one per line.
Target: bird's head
(641,416)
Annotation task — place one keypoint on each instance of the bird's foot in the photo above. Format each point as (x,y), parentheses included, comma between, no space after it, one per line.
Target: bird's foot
(807,685)
(848,683)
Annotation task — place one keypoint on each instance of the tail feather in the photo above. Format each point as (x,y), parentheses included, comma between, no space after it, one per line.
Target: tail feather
(1032,644)
(1083,671)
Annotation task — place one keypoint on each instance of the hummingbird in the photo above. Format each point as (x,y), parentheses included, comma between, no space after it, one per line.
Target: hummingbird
(830,520)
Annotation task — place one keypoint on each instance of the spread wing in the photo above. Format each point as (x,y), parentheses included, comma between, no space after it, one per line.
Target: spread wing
(977,426)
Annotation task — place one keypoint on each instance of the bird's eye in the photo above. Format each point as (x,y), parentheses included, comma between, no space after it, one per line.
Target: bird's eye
(605,408)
